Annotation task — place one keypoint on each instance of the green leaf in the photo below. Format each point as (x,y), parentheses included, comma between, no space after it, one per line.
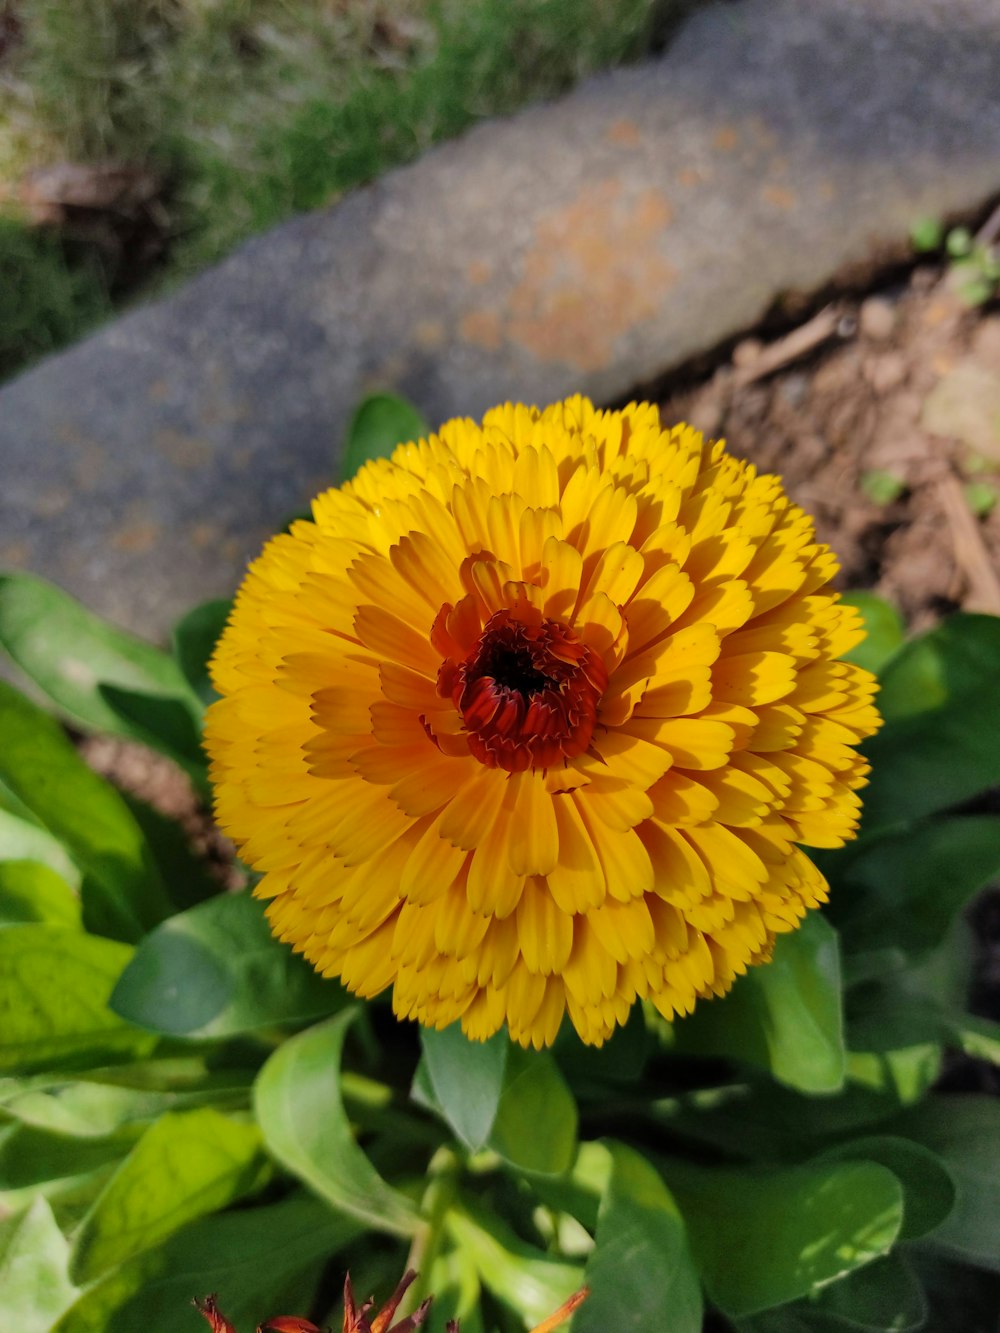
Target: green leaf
(884,631)
(31,1157)
(165,724)
(187,1164)
(905,890)
(97,1110)
(30,892)
(941,742)
(640,1273)
(977,1037)
(33,1270)
(762,1239)
(301,1113)
(928,1189)
(194,638)
(69,653)
(380,422)
(257,1260)
(964,1132)
(467,1079)
(517,1273)
(122,892)
(884,1297)
(784,1016)
(21,839)
(54,989)
(216,970)
(536,1120)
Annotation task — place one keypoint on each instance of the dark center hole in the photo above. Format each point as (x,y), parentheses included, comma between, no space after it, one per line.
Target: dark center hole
(514,669)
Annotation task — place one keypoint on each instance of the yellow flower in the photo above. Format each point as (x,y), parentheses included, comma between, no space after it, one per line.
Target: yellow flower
(529,720)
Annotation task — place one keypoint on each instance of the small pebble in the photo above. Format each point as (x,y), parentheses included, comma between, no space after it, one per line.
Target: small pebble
(746,352)
(886,372)
(877,318)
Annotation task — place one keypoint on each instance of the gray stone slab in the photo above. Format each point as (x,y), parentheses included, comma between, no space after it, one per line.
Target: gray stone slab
(589,244)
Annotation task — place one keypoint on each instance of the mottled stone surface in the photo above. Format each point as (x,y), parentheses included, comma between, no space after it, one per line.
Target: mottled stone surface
(589,244)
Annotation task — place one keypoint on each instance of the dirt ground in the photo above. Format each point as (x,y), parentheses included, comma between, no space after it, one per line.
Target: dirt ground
(883,417)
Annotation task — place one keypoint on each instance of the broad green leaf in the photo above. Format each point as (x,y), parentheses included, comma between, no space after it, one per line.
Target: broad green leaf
(122,892)
(301,1113)
(523,1277)
(762,1239)
(166,724)
(941,742)
(964,1132)
(31,892)
(784,1016)
(884,629)
(467,1079)
(978,1037)
(928,1189)
(641,1274)
(24,840)
(185,875)
(194,638)
(536,1120)
(187,1164)
(34,1284)
(54,990)
(622,1058)
(903,891)
(94,1110)
(216,970)
(380,422)
(258,1260)
(904,1075)
(884,1297)
(31,1157)
(69,653)
(457,1291)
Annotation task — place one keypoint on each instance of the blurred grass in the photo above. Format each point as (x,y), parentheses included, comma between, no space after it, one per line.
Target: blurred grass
(255,109)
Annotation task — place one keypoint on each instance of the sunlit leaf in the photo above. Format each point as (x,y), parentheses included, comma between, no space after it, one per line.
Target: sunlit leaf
(884,628)
(928,1189)
(641,1274)
(261,1259)
(34,1283)
(536,1120)
(765,1238)
(380,422)
(467,1079)
(301,1113)
(784,1016)
(69,653)
(216,970)
(31,892)
(122,893)
(187,1164)
(54,989)
(519,1275)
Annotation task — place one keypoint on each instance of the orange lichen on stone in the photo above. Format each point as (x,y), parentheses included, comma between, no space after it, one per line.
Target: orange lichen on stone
(725,139)
(624,132)
(483,328)
(592,272)
(779,196)
(186,451)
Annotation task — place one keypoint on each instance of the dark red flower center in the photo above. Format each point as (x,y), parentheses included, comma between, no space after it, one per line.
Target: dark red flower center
(528,692)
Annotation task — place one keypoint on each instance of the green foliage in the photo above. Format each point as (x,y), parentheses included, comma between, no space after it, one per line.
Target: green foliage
(186,1107)
(379,423)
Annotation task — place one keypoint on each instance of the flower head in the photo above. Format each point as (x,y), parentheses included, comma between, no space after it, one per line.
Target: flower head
(530,719)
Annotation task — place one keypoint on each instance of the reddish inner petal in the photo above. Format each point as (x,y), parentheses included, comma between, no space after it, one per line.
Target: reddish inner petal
(527,691)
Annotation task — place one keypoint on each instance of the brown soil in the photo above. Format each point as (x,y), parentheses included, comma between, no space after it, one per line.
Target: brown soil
(901,391)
